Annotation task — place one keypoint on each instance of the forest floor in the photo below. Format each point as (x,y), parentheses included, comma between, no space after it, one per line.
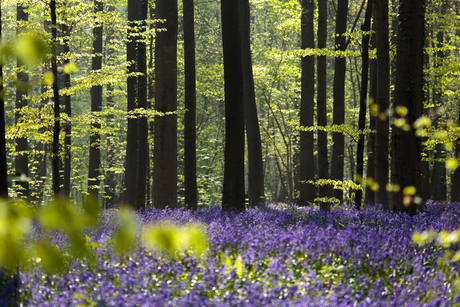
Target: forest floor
(275,255)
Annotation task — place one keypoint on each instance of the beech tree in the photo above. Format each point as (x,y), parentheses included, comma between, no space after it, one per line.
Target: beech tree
(3,165)
(307,162)
(96,107)
(363,98)
(233,190)
(338,147)
(321,100)
(165,134)
(57,120)
(22,157)
(383,101)
(405,165)
(255,163)
(190,184)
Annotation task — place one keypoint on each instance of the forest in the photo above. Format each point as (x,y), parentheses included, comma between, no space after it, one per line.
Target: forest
(229,153)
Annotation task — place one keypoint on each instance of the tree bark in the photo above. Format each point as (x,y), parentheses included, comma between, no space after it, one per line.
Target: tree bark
(142,159)
(233,190)
(3,167)
(96,108)
(439,176)
(251,120)
(369,197)
(321,100)
(338,147)
(68,111)
(405,166)
(165,146)
(307,106)
(133,129)
(383,101)
(57,119)
(363,100)
(21,159)
(190,184)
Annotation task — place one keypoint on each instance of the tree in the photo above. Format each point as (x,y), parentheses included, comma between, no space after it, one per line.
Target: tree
(165,134)
(143,149)
(21,158)
(57,120)
(338,147)
(3,167)
(369,197)
(68,110)
(96,107)
(132,145)
(321,100)
(191,192)
(233,190)
(438,176)
(363,99)
(405,165)
(251,120)
(307,163)
(383,101)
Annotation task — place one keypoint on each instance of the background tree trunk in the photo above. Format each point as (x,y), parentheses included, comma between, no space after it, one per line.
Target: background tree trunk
(132,133)
(255,162)
(233,190)
(369,197)
(21,160)
(190,184)
(363,100)
(438,175)
(57,120)
(405,166)
(165,146)
(338,147)
(321,100)
(96,108)
(68,111)
(3,167)
(143,149)
(383,101)
(307,106)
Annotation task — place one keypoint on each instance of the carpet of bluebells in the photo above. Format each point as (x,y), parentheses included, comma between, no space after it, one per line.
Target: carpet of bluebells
(267,256)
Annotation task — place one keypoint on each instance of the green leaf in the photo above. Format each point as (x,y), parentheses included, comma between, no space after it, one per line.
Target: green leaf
(50,257)
(31,48)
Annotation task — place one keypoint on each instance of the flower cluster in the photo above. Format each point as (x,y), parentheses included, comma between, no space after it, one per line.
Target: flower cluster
(266,256)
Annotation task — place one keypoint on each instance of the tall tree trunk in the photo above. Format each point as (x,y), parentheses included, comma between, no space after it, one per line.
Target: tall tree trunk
(383,101)
(142,103)
(96,108)
(109,181)
(369,197)
(22,158)
(405,166)
(190,184)
(338,147)
(233,191)
(165,134)
(321,100)
(3,167)
(132,133)
(363,99)
(68,111)
(57,120)
(438,176)
(251,120)
(307,106)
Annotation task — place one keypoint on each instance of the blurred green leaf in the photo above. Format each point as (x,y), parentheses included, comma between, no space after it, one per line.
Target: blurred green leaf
(126,234)
(50,257)
(31,48)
